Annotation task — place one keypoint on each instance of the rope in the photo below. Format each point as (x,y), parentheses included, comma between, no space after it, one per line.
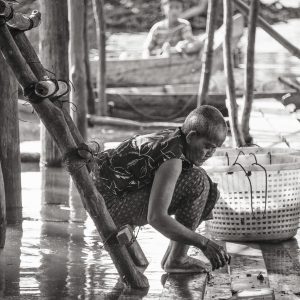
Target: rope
(266,180)
(251,190)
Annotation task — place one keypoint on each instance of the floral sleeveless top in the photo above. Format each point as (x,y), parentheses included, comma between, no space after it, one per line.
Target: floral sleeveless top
(133,163)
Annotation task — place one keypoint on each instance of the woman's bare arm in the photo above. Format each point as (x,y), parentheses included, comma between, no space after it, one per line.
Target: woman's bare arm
(160,198)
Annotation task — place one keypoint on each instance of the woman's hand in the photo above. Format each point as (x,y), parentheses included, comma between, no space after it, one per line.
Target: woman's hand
(216,254)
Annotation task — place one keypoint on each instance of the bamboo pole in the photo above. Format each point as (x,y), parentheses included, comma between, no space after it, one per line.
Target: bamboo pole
(207,56)
(249,71)
(54,37)
(77,68)
(10,143)
(35,65)
(89,84)
(98,7)
(54,120)
(244,9)
(237,137)
(2,211)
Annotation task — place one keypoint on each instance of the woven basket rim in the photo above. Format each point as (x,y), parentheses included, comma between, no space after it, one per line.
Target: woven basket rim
(294,164)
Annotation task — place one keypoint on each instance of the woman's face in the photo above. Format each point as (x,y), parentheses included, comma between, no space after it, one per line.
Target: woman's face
(172,10)
(199,149)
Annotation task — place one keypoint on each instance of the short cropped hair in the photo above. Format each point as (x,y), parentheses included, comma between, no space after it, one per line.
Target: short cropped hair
(207,121)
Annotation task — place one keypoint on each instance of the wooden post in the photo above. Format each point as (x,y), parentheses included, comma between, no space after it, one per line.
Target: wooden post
(98,6)
(54,37)
(244,9)
(2,211)
(207,56)
(9,141)
(237,137)
(89,84)
(54,119)
(249,71)
(77,65)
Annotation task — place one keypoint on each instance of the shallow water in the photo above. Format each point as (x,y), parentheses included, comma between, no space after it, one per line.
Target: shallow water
(56,252)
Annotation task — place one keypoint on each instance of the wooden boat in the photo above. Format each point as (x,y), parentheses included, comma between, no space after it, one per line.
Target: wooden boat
(169,102)
(175,69)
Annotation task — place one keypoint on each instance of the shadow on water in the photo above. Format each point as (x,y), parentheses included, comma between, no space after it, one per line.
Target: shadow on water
(56,252)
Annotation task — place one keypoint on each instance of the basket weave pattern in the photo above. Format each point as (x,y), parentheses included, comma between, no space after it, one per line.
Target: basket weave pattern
(252,209)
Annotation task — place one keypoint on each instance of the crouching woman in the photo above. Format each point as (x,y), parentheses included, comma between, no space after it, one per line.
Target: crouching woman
(148,178)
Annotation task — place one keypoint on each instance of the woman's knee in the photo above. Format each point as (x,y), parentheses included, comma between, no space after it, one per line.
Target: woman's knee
(198,181)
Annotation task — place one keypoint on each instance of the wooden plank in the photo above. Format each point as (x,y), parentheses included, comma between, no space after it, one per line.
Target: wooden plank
(283,263)
(247,264)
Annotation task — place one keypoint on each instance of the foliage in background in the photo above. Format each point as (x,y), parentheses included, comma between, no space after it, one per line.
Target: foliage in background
(140,15)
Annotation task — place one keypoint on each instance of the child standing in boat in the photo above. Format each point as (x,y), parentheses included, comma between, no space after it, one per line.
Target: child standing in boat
(149,177)
(171,35)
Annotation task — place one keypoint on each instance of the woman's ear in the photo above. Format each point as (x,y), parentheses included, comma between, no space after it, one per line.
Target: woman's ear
(189,137)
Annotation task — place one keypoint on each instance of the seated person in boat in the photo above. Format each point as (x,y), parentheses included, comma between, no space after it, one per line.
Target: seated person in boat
(171,35)
(149,178)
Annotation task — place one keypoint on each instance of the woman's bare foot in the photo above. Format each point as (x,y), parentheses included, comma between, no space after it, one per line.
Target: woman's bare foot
(185,264)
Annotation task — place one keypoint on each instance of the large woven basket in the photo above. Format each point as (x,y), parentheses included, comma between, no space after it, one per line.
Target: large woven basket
(260,196)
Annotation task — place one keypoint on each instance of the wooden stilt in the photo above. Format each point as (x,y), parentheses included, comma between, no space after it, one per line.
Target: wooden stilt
(98,6)
(238,139)
(89,84)
(54,35)
(77,66)
(207,55)
(9,141)
(249,71)
(55,122)
(2,211)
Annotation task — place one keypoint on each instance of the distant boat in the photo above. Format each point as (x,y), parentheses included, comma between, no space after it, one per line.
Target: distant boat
(175,69)
(169,102)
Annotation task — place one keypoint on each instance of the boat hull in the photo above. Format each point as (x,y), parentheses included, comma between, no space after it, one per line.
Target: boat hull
(175,69)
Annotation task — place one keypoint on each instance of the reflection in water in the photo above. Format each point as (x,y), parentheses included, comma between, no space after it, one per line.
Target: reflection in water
(58,253)
(54,237)
(10,262)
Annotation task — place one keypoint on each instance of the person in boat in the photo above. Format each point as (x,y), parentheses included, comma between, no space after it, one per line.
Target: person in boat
(148,178)
(171,35)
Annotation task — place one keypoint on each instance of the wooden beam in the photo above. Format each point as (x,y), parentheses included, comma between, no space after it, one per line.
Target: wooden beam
(97,120)
(10,143)
(54,36)
(249,277)
(54,120)
(238,139)
(2,211)
(39,71)
(283,263)
(249,71)
(77,66)
(244,9)
(89,84)
(98,6)
(207,55)
(17,20)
